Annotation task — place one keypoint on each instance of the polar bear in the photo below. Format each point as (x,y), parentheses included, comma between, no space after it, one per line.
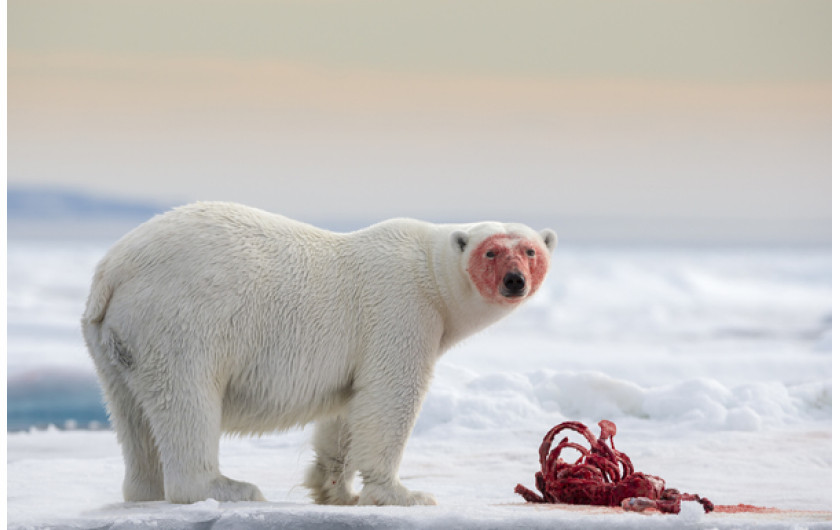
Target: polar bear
(216,317)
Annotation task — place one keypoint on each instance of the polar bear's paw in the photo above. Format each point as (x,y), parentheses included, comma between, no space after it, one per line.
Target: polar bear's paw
(334,494)
(224,489)
(394,495)
(328,488)
(221,489)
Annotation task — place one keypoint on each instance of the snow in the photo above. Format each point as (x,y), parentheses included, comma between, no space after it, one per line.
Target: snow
(714,363)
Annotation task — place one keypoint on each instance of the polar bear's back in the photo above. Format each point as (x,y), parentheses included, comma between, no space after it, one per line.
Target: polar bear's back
(209,253)
(217,227)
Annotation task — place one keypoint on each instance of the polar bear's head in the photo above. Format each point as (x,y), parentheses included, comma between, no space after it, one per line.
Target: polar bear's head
(506,263)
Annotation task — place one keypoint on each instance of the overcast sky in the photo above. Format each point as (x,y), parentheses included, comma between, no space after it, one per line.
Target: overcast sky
(679,119)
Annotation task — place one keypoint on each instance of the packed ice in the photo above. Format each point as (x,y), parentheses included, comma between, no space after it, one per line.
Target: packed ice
(714,363)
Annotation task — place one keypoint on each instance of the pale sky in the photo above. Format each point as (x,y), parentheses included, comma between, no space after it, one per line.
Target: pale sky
(685,119)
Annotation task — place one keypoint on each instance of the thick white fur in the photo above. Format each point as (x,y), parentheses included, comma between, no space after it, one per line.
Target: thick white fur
(216,318)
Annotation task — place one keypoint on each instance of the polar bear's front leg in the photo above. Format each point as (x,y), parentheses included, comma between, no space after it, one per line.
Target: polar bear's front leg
(382,412)
(330,478)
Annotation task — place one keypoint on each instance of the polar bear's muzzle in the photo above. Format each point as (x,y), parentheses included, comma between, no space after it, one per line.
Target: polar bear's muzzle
(513,285)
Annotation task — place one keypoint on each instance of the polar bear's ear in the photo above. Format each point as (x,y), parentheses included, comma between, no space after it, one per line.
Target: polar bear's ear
(550,239)
(459,240)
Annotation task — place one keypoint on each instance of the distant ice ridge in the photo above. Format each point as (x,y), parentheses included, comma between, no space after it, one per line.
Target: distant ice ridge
(547,397)
(29,203)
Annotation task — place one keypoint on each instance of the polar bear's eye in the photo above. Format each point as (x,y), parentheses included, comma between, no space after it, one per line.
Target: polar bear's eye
(490,254)
(531,252)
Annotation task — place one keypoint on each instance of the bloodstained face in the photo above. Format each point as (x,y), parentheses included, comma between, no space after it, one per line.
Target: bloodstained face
(506,269)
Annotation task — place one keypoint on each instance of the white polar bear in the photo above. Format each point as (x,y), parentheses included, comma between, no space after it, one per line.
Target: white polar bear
(218,317)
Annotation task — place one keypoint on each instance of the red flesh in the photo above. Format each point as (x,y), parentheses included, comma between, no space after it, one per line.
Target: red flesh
(602,476)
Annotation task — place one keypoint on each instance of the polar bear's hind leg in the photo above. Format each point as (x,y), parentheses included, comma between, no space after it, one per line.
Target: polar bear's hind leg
(187,425)
(143,472)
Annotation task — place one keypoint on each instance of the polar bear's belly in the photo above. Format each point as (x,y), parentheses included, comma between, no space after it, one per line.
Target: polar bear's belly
(285,396)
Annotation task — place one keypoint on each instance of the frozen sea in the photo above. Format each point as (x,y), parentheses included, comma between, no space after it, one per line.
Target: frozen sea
(714,362)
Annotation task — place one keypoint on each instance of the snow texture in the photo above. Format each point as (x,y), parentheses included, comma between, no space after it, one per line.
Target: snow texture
(715,364)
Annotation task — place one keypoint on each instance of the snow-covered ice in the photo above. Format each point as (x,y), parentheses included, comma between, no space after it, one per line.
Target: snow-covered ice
(714,363)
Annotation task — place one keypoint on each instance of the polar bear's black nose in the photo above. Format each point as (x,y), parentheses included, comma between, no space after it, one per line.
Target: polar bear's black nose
(514,283)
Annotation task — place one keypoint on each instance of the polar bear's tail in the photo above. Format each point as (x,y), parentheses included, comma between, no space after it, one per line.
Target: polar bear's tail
(100,295)
(103,344)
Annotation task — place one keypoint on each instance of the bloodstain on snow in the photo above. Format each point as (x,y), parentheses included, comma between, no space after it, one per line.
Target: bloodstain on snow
(509,253)
(745,508)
